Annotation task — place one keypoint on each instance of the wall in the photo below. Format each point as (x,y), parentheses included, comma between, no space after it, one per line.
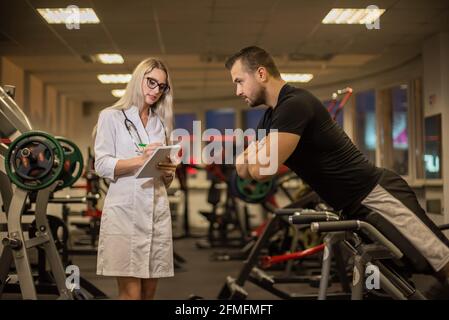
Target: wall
(51,110)
(63,115)
(46,108)
(36,103)
(13,75)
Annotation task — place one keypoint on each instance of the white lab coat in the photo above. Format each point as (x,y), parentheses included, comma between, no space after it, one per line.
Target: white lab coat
(135,232)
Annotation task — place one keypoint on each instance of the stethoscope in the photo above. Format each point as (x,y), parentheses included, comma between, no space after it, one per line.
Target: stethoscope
(134,133)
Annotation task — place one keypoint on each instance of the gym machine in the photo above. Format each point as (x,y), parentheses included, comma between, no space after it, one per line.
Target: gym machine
(38,165)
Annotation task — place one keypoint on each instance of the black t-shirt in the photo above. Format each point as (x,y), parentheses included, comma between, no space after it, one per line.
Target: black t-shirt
(325,158)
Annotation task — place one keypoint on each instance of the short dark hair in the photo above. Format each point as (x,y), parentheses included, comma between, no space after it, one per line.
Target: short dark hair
(252,58)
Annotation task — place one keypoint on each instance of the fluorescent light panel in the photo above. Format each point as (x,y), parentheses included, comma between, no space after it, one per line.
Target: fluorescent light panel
(69,15)
(118,93)
(109,58)
(114,78)
(297,77)
(352,16)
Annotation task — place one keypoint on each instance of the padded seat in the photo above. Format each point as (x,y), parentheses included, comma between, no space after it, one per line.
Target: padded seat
(414,261)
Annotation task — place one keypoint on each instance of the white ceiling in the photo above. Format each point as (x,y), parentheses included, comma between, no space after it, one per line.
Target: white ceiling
(194,37)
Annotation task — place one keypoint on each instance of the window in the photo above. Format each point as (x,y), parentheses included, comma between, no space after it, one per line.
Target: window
(185,121)
(432,145)
(252,117)
(400,133)
(339,118)
(222,119)
(366,123)
(416,132)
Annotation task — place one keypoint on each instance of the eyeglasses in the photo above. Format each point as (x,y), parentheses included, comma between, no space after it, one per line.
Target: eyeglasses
(152,84)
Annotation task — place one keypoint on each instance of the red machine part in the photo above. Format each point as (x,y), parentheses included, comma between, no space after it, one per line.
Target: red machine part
(268,261)
(347,92)
(93,213)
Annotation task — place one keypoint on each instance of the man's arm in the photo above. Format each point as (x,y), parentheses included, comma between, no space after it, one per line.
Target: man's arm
(241,165)
(285,142)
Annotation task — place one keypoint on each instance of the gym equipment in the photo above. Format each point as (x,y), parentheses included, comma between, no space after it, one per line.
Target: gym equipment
(231,220)
(268,261)
(58,229)
(49,235)
(94,190)
(5,184)
(44,230)
(234,288)
(333,103)
(375,253)
(252,191)
(221,222)
(92,227)
(13,122)
(34,161)
(249,190)
(369,240)
(15,245)
(277,243)
(181,174)
(73,163)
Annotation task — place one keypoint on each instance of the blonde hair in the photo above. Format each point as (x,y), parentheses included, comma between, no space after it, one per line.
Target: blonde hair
(134,97)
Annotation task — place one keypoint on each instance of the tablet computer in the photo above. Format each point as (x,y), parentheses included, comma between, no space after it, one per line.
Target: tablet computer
(149,169)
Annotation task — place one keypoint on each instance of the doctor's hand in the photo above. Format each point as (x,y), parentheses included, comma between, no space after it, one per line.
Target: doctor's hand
(149,150)
(168,169)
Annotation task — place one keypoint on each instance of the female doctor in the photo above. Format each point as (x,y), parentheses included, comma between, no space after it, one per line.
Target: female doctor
(135,243)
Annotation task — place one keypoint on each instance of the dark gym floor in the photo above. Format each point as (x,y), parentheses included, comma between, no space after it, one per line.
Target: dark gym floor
(198,275)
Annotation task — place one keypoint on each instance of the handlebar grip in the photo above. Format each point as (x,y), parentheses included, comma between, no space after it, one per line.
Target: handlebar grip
(335,226)
(307,219)
(286,211)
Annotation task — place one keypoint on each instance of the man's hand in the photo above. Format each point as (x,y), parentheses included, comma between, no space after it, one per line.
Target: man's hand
(241,164)
(270,153)
(253,149)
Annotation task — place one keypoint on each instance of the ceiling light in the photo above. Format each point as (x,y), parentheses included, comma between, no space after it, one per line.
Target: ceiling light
(71,14)
(109,58)
(118,93)
(352,16)
(297,77)
(114,78)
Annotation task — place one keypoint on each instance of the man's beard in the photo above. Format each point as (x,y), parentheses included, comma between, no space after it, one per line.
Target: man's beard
(259,98)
